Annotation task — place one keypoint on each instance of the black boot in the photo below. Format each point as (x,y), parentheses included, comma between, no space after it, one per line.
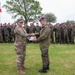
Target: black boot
(44,70)
(47,67)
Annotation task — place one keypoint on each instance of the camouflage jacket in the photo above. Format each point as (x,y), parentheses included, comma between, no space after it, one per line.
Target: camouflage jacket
(0,30)
(20,35)
(44,37)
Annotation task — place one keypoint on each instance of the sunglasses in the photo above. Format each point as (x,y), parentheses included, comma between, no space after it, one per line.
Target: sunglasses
(21,22)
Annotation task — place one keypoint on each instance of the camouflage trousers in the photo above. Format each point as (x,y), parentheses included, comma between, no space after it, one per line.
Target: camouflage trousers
(1,39)
(45,58)
(6,36)
(21,53)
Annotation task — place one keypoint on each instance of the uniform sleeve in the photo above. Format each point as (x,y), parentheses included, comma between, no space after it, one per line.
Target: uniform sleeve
(20,32)
(45,34)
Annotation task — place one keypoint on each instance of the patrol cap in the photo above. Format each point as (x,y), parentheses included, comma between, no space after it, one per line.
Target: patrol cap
(32,23)
(42,18)
(20,20)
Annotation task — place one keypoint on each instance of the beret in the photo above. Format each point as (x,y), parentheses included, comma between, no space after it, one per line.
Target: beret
(42,18)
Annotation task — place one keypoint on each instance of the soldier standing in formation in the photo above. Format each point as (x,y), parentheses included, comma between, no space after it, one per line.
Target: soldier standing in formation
(6,33)
(37,29)
(58,33)
(26,27)
(51,32)
(70,33)
(32,28)
(65,33)
(9,32)
(12,31)
(73,33)
(1,38)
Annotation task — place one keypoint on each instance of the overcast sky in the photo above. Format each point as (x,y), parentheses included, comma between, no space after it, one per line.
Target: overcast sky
(63,9)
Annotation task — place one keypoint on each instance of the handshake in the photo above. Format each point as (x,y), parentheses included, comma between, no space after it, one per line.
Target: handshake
(33,34)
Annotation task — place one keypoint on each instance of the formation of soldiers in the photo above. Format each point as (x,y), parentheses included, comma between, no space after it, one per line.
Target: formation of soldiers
(60,33)
(6,32)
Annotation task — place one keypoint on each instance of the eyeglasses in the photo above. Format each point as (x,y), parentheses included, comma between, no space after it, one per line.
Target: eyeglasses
(21,22)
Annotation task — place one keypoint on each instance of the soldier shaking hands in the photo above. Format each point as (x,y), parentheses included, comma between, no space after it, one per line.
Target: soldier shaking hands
(44,40)
(20,45)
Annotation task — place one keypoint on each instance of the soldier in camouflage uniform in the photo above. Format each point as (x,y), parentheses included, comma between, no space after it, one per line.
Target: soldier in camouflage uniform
(65,33)
(58,33)
(9,30)
(69,33)
(51,32)
(3,32)
(6,33)
(37,29)
(62,33)
(26,27)
(1,38)
(12,31)
(44,40)
(73,33)
(32,28)
(20,45)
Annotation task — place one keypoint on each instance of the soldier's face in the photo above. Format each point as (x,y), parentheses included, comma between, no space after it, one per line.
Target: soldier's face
(43,22)
(20,23)
(37,24)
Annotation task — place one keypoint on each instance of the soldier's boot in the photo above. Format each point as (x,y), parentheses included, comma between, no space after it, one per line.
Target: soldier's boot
(47,67)
(43,70)
(21,72)
(25,68)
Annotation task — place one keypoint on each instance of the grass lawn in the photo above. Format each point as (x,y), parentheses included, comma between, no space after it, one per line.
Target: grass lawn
(62,59)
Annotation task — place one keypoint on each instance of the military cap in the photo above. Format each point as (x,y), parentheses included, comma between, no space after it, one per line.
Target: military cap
(32,23)
(37,23)
(42,18)
(20,20)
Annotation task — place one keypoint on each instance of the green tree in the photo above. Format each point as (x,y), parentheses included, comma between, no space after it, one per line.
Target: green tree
(29,10)
(50,17)
(69,22)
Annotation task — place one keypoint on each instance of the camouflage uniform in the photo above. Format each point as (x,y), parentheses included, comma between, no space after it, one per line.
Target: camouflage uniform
(65,34)
(12,31)
(69,33)
(3,33)
(52,32)
(9,30)
(62,33)
(73,33)
(58,33)
(6,33)
(44,44)
(26,27)
(1,38)
(37,30)
(20,45)
(32,28)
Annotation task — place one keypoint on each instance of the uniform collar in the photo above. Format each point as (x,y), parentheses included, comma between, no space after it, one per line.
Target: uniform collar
(43,25)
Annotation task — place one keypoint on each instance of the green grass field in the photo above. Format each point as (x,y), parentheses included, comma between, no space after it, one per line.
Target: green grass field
(62,59)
